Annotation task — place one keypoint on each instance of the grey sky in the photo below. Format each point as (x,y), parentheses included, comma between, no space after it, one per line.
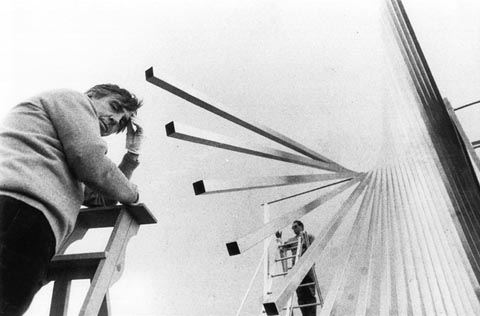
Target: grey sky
(312,70)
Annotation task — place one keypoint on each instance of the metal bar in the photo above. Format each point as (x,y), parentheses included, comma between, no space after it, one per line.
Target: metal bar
(191,134)
(301,268)
(476,144)
(285,258)
(438,247)
(354,237)
(308,191)
(307,284)
(402,263)
(246,242)
(368,255)
(466,105)
(279,274)
(463,190)
(460,269)
(306,305)
(221,186)
(250,285)
(206,104)
(422,231)
(415,268)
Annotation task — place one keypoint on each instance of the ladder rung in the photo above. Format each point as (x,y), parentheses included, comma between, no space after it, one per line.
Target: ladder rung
(285,258)
(298,306)
(75,266)
(280,274)
(290,245)
(306,305)
(307,284)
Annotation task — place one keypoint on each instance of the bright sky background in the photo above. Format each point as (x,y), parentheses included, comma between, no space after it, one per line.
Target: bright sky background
(312,70)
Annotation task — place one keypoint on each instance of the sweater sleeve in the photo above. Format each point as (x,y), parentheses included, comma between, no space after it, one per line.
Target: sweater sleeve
(75,121)
(127,166)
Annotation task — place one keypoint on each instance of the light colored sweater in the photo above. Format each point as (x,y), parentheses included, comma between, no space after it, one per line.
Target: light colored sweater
(49,145)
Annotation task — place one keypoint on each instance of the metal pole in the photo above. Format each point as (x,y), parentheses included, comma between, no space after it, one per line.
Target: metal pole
(466,105)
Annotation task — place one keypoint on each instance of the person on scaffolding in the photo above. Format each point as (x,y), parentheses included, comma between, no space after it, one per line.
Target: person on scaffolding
(305,294)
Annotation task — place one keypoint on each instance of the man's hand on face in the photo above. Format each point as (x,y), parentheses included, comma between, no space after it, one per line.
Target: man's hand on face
(134,136)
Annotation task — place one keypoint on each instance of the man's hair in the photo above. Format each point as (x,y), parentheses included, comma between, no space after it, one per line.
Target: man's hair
(299,223)
(127,100)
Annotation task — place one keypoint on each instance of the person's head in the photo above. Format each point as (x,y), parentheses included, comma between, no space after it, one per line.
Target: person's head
(114,105)
(297,227)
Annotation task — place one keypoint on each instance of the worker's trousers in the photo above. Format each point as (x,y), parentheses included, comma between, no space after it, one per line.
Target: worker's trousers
(27,245)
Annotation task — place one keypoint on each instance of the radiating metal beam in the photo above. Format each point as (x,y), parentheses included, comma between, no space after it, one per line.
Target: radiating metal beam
(308,191)
(456,168)
(195,135)
(257,235)
(360,225)
(469,146)
(206,104)
(285,290)
(221,186)
(466,105)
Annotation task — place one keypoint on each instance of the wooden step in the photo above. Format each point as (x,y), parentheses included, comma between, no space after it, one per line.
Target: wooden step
(75,266)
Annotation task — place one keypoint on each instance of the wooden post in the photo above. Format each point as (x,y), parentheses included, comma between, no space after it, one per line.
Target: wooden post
(60,297)
(124,229)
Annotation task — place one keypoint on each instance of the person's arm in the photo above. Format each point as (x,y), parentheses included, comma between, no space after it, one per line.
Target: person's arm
(75,121)
(127,166)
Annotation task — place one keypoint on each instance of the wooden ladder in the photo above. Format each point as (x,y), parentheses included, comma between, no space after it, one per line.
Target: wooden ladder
(286,253)
(102,268)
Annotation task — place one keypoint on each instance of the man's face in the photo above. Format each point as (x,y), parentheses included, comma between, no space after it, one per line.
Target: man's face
(297,229)
(111,114)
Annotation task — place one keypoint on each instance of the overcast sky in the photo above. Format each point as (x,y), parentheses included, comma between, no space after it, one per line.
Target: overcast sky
(312,70)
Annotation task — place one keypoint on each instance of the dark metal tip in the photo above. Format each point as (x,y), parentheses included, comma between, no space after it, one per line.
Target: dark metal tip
(149,73)
(233,249)
(170,128)
(199,187)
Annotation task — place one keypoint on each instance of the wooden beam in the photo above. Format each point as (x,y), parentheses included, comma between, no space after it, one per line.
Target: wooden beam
(109,269)
(191,134)
(206,104)
(221,186)
(60,297)
(257,235)
(285,290)
(75,266)
(99,217)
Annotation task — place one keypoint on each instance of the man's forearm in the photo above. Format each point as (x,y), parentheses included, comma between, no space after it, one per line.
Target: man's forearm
(127,166)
